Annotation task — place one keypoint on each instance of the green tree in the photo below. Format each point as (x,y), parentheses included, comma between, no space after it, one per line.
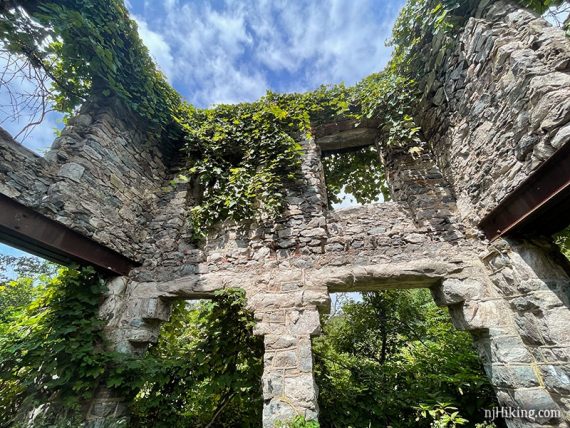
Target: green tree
(51,341)
(384,356)
(209,368)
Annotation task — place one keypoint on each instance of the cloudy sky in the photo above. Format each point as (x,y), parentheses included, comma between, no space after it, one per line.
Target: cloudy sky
(216,51)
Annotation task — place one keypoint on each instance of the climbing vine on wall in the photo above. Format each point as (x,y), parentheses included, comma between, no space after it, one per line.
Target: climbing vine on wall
(241,156)
(89,47)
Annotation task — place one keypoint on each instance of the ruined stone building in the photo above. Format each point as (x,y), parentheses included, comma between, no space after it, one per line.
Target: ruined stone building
(470,218)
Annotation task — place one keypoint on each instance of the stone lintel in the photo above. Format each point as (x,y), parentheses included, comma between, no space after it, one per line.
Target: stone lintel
(345,135)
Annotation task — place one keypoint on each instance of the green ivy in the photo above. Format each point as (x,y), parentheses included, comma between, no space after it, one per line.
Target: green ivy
(206,366)
(89,47)
(297,422)
(53,347)
(241,156)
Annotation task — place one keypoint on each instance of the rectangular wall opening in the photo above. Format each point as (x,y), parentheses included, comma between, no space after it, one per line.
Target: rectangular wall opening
(354,177)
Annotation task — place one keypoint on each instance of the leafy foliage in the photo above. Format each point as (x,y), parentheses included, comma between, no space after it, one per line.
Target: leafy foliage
(297,422)
(443,415)
(242,156)
(209,368)
(562,239)
(382,357)
(206,367)
(358,173)
(52,346)
(89,47)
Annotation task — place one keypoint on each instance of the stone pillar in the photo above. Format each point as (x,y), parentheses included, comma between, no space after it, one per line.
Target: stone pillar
(289,389)
(533,279)
(133,314)
(516,307)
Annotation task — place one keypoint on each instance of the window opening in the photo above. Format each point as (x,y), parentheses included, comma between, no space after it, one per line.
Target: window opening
(354,177)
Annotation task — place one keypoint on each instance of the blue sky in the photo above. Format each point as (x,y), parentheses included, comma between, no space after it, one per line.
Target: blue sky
(227,51)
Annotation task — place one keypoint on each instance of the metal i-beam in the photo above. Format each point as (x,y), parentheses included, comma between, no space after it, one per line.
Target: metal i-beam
(540,205)
(35,233)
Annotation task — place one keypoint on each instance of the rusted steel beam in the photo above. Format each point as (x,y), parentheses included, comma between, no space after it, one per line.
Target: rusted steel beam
(540,205)
(31,231)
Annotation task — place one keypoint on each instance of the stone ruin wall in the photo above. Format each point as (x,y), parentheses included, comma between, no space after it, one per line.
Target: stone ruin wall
(512,295)
(496,103)
(101,177)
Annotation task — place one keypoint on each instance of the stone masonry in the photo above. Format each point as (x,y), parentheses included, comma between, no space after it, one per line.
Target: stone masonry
(495,107)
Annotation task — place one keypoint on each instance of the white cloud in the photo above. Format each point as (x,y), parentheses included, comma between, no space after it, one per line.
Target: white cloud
(230,50)
(235,51)
(159,49)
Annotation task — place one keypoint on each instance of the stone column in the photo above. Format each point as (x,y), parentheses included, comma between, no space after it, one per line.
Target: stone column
(133,314)
(533,279)
(289,389)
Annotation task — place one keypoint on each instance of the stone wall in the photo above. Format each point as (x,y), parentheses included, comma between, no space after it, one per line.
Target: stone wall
(495,108)
(102,177)
(497,103)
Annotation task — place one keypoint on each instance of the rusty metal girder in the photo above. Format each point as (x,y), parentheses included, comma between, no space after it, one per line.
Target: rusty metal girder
(24,228)
(539,206)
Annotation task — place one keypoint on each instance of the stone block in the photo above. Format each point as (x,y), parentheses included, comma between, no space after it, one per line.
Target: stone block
(285,359)
(72,170)
(556,378)
(535,399)
(304,322)
(280,342)
(102,409)
(509,349)
(272,385)
(453,291)
(301,389)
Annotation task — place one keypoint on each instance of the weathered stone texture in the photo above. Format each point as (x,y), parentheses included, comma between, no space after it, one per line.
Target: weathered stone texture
(101,177)
(497,103)
(496,106)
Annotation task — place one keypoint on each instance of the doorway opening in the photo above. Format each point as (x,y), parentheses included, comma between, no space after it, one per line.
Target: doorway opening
(206,368)
(393,358)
